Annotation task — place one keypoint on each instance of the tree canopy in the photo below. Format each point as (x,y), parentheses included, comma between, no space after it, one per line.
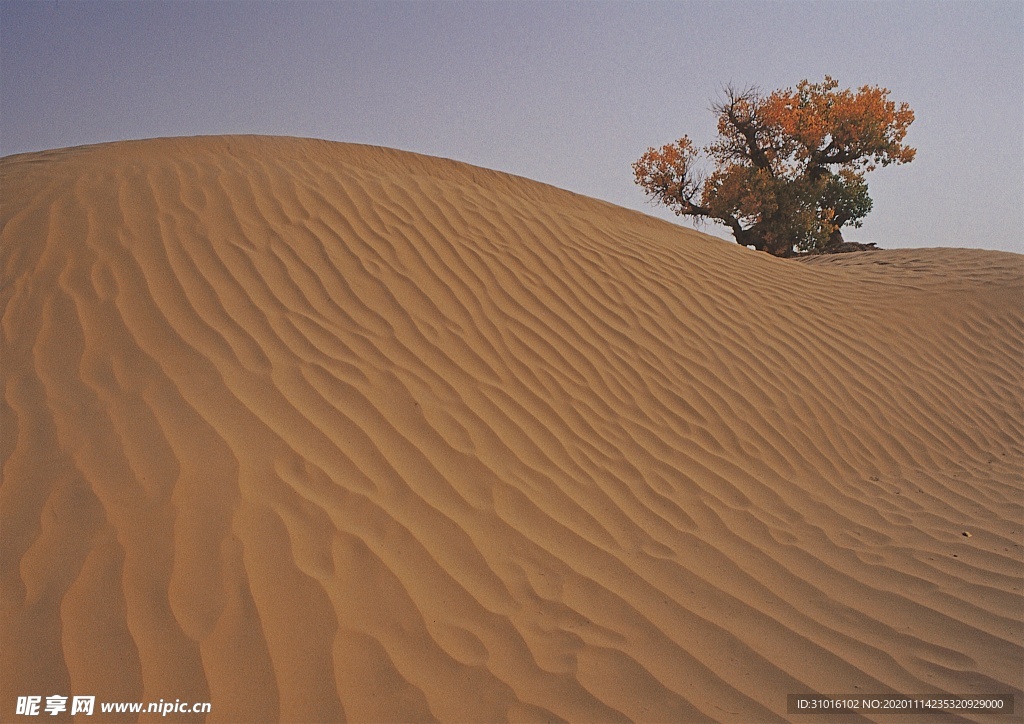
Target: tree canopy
(788,167)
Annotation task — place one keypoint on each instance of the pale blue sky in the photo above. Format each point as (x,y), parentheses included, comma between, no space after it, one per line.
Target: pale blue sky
(569,93)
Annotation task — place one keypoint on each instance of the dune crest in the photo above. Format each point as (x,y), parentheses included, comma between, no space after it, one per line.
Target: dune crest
(320,432)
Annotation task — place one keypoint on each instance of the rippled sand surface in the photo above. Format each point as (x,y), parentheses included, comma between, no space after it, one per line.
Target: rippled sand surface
(323,432)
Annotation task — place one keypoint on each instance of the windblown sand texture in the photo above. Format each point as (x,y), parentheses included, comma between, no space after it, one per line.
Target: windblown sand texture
(324,432)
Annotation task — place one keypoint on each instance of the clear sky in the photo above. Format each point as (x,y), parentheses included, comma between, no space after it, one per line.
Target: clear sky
(569,93)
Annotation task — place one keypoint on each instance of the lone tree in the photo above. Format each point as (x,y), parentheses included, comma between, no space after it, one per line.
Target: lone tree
(789,167)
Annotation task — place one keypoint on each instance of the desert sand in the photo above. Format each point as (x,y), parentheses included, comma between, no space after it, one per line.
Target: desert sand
(321,432)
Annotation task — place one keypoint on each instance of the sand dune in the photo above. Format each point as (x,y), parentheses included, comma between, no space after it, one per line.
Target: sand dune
(322,432)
